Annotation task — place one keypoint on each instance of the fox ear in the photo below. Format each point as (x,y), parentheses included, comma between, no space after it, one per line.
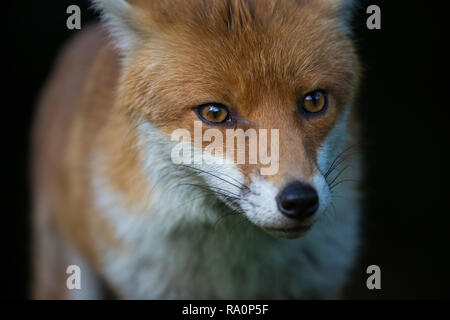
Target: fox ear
(118,17)
(343,9)
(347,9)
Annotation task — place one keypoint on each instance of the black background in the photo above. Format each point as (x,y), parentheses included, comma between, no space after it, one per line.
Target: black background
(404,110)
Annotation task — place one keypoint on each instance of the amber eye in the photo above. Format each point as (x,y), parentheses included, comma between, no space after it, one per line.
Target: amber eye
(213,113)
(315,101)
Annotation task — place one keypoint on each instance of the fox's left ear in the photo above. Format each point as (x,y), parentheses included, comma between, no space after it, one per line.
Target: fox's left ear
(121,19)
(344,9)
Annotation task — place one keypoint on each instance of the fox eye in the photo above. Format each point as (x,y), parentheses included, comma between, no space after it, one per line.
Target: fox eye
(213,113)
(315,101)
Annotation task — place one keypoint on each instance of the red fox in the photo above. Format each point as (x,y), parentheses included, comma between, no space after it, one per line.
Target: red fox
(109,196)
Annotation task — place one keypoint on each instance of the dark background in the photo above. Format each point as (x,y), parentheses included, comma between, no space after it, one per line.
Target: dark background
(404,111)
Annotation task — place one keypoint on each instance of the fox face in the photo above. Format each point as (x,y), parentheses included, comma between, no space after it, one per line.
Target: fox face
(284,67)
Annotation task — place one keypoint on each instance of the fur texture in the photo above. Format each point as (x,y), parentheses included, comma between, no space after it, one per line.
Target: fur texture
(105,183)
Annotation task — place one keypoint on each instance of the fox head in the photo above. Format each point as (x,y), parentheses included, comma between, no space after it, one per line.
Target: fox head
(288,67)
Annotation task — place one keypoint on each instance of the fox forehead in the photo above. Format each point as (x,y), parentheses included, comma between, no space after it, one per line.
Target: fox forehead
(242,51)
(220,15)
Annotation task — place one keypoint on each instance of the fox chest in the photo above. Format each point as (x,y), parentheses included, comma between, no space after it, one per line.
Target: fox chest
(192,265)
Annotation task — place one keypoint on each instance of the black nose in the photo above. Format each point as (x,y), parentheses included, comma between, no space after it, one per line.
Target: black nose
(298,201)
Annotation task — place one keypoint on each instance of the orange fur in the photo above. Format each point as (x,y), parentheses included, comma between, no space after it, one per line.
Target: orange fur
(258,57)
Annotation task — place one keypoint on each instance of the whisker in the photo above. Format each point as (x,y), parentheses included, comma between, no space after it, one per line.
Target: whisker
(241,186)
(338,157)
(196,198)
(161,178)
(342,181)
(213,194)
(234,212)
(338,160)
(208,188)
(338,175)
